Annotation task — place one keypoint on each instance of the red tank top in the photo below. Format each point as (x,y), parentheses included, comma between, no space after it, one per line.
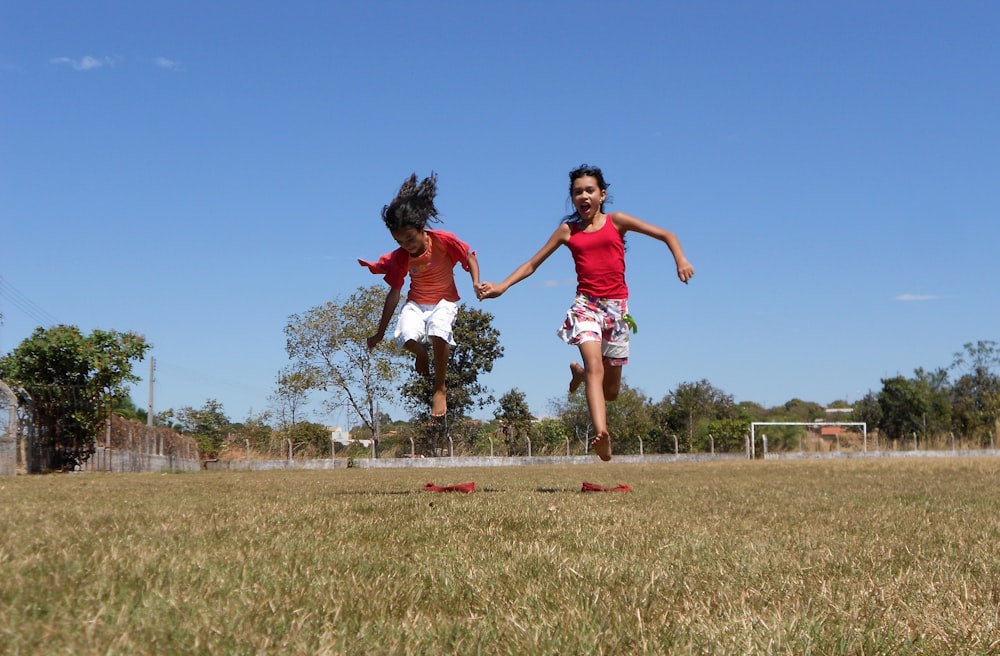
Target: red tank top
(600,260)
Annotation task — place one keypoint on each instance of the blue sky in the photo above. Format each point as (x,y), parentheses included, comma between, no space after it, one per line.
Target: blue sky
(198,172)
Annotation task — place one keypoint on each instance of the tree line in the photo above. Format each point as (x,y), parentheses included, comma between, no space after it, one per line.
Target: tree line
(76,380)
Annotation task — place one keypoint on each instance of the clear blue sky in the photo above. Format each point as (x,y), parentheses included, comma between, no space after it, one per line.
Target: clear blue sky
(198,171)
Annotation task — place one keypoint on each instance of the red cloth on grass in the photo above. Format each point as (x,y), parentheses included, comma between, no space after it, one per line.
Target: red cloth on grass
(461,487)
(593,487)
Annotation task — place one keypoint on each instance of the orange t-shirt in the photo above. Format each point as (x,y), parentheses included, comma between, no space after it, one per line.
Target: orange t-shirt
(432,276)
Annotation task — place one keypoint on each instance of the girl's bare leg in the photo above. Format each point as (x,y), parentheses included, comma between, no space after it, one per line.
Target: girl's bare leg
(439,404)
(422,363)
(577,376)
(593,366)
(612,381)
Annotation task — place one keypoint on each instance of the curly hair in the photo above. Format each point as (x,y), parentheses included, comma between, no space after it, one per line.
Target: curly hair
(413,205)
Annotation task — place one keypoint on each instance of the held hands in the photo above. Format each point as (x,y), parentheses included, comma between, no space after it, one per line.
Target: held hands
(487,290)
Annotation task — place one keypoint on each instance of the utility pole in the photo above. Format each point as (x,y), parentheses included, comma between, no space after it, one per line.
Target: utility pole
(152,369)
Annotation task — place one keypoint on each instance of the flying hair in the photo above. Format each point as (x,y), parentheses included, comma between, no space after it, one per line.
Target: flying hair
(413,205)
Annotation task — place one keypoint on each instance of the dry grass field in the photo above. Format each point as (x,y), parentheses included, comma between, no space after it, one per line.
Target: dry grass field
(805,557)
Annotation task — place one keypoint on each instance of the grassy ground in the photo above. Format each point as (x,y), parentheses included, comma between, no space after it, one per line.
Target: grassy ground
(811,557)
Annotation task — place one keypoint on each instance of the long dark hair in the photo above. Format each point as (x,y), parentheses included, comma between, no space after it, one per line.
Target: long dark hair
(413,205)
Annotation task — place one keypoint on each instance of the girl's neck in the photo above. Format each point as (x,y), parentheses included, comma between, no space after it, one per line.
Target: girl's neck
(595,222)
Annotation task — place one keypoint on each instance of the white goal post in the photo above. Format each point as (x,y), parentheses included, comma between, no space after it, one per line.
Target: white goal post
(810,424)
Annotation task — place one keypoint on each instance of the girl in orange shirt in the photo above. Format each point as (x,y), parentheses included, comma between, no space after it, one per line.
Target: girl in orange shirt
(429,257)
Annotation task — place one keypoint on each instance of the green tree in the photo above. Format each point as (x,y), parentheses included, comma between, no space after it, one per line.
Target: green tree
(683,409)
(73,381)
(308,439)
(868,410)
(291,396)
(804,411)
(514,419)
(729,433)
(327,345)
(902,406)
(976,393)
(549,436)
(208,425)
(124,406)
(933,386)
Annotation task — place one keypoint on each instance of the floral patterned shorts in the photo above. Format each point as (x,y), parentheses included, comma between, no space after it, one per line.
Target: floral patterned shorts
(598,320)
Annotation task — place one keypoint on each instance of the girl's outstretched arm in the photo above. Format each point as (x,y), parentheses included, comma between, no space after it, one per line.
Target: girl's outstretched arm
(626,222)
(391,301)
(558,238)
(474,271)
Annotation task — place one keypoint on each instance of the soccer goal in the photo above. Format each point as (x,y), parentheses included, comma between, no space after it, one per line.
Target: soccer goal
(807,424)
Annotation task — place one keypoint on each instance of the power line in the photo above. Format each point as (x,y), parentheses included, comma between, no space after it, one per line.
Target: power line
(21,301)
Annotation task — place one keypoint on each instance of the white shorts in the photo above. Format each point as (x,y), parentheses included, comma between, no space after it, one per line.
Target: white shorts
(421,322)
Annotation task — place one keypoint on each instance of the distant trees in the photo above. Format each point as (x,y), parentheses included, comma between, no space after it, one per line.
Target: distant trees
(208,425)
(929,405)
(975,396)
(514,420)
(687,411)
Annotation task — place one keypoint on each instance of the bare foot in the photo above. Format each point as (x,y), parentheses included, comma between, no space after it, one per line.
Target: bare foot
(602,446)
(423,364)
(439,405)
(578,376)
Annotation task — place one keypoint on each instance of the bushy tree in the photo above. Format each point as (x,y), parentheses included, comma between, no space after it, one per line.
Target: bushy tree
(902,406)
(976,394)
(728,434)
(514,418)
(933,386)
(550,436)
(689,405)
(208,425)
(868,410)
(72,381)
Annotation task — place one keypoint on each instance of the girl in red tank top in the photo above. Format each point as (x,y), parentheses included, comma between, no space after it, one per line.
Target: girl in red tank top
(598,322)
